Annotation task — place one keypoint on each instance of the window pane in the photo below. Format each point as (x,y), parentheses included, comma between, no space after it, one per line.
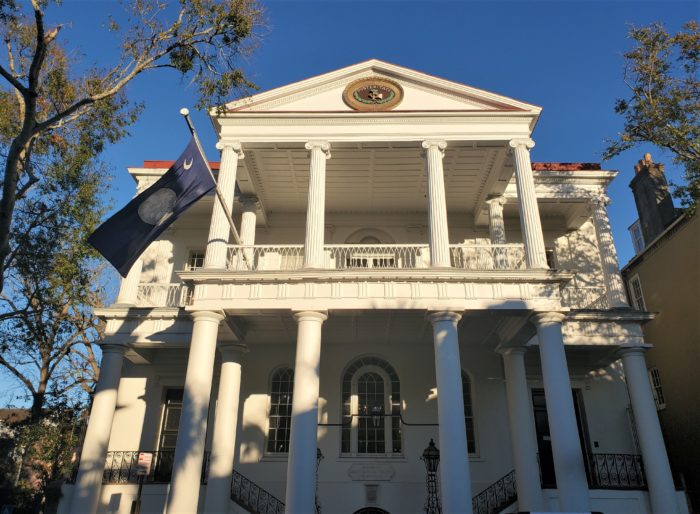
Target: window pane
(280,411)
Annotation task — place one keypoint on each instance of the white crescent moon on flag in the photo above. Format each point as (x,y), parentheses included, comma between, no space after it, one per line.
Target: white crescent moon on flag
(187,166)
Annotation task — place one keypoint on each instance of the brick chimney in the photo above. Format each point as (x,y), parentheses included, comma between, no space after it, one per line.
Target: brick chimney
(654,203)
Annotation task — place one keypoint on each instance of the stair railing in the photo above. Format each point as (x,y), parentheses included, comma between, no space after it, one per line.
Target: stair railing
(497,496)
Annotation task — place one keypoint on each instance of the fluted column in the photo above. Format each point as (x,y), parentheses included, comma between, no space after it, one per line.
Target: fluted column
(437,205)
(223,444)
(301,463)
(617,298)
(248,221)
(88,483)
(219,229)
(316,206)
(129,288)
(662,491)
(455,484)
(566,445)
(189,448)
(522,429)
(530,223)
(497,228)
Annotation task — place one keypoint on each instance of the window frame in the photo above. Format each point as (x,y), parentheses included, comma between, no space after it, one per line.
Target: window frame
(193,253)
(656,387)
(277,370)
(379,366)
(638,301)
(470,380)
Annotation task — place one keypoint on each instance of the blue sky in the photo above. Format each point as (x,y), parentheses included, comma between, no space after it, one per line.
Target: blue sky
(565,56)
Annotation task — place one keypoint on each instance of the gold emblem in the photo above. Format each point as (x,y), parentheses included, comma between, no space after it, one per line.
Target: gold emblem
(373,94)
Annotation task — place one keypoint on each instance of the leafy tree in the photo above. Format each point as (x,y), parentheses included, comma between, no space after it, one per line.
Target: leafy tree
(200,39)
(664,107)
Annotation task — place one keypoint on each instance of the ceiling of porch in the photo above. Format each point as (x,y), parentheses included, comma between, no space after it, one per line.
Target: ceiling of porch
(367,177)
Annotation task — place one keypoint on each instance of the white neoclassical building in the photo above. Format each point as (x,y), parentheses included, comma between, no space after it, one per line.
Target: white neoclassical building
(404,274)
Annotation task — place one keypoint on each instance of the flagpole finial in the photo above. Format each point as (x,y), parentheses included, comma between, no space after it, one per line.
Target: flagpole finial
(184,111)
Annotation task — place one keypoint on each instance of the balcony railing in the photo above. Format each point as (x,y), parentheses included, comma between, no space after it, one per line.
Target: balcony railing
(616,471)
(588,297)
(473,257)
(162,295)
(485,257)
(121,467)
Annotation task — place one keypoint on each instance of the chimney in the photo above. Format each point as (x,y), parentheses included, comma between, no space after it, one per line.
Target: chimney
(654,203)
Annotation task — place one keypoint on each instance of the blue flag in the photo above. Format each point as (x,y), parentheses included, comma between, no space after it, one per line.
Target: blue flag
(124,237)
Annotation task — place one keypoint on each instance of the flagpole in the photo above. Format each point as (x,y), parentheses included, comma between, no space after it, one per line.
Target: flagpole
(186,114)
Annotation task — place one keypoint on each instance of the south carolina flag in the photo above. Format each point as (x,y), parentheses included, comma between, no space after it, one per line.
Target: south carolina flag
(124,237)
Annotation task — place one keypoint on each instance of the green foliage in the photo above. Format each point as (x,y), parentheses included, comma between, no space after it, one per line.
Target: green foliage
(664,106)
(38,453)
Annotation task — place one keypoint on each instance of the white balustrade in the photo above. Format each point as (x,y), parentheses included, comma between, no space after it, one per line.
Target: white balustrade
(162,295)
(488,257)
(393,256)
(265,257)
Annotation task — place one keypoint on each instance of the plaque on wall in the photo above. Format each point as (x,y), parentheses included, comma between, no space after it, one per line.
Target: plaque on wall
(373,94)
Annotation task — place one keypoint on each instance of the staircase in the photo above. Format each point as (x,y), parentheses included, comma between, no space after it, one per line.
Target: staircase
(256,500)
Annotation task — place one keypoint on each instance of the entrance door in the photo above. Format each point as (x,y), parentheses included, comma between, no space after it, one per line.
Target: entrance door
(544,440)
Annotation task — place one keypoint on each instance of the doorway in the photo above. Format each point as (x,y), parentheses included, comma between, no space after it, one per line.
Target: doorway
(544,440)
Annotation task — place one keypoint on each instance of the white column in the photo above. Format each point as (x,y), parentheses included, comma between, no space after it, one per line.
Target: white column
(530,223)
(219,229)
(189,449)
(301,464)
(522,429)
(128,291)
(617,298)
(497,228)
(248,221)
(88,483)
(662,492)
(223,444)
(455,484)
(316,206)
(437,205)
(566,445)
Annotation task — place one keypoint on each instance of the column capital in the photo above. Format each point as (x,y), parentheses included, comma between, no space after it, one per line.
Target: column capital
(113,348)
(524,142)
(233,145)
(430,143)
(624,350)
(452,316)
(324,146)
(598,199)
(310,315)
(548,318)
(497,199)
(207,315)
(512,350)
(232,352)
(249,202)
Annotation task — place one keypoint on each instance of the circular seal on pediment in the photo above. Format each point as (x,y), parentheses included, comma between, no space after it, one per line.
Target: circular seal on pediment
(373,94)
(158,207)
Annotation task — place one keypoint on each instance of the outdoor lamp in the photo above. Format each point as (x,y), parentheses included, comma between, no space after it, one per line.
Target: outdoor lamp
(431,457)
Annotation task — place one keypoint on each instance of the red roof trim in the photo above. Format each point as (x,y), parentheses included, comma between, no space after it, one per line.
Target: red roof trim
(566,166)
(166,164)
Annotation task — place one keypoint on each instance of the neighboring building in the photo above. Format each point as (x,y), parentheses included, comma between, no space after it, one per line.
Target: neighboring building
(664,278)
(404,274)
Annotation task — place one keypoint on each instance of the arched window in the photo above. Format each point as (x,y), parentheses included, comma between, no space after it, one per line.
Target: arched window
(371,408)
(468,412)
(281,387)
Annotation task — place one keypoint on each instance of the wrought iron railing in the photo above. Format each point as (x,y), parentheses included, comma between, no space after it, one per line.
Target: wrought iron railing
(488,257)
(251,496)
(497,496)
(615,471)
(121,467)
(588,297)
(162,295)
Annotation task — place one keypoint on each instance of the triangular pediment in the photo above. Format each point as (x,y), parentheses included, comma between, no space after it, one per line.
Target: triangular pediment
(421,92)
